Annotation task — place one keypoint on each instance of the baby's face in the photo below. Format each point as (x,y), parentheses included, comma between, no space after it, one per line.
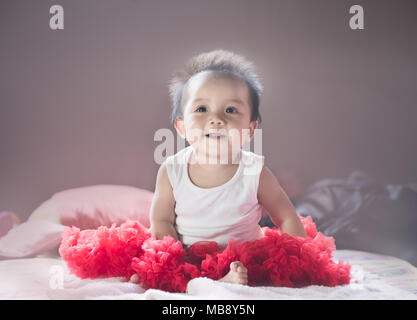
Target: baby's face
(216,112)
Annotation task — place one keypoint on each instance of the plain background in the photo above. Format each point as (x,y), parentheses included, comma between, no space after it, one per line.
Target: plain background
(80,106)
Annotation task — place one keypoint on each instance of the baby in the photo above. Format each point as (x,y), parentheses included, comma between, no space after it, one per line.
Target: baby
(213,190)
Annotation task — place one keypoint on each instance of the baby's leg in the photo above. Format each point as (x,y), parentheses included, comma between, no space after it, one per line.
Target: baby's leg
(238,274)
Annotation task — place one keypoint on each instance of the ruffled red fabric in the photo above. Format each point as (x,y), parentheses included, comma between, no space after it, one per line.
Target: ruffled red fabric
(163,265)
(277,259)
(104,252)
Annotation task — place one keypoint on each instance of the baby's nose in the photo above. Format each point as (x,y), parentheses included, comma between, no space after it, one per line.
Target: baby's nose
(216,121)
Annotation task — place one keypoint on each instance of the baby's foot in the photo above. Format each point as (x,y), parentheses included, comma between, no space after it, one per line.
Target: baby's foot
(134,278)
(238,274)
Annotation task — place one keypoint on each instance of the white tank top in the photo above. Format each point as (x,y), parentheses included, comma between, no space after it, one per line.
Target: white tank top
(230,210)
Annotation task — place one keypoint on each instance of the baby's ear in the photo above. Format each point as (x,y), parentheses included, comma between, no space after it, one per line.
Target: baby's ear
(253,125)
(179,125)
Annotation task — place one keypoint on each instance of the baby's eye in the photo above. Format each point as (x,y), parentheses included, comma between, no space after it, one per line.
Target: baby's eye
(231,110)
(201,109)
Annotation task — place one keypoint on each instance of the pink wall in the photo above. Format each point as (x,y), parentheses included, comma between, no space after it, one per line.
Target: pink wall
(80,106)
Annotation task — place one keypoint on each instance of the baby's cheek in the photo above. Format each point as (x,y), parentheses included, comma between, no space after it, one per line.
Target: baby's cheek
(237,138)
(193,135)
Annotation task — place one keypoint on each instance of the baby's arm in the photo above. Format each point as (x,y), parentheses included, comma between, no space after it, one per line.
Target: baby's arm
(275,201)
(163,207)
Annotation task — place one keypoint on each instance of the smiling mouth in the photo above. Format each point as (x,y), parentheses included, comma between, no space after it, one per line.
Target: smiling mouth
(215,136)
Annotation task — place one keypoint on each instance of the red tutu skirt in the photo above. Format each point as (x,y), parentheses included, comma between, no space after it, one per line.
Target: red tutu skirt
(277,259)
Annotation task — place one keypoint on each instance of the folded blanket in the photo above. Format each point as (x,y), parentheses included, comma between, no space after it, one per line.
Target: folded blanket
(277,259)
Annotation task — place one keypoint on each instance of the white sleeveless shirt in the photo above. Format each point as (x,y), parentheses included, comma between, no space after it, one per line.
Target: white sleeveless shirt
(230,210)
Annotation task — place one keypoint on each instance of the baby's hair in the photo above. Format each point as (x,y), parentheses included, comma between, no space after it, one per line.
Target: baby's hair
(221,61)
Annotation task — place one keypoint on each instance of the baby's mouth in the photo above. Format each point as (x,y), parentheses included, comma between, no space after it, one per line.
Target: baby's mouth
(215,136)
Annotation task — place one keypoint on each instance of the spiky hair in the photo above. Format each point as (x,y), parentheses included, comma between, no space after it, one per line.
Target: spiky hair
(221,61)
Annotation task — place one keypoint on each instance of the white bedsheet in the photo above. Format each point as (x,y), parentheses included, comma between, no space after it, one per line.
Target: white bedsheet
(48,278)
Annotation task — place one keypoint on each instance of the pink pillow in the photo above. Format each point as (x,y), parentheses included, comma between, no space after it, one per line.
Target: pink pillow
(8,220)
(30,238)
(94,206)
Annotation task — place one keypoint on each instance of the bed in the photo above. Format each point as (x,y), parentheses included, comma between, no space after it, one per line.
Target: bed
(46,277)
(31,268)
